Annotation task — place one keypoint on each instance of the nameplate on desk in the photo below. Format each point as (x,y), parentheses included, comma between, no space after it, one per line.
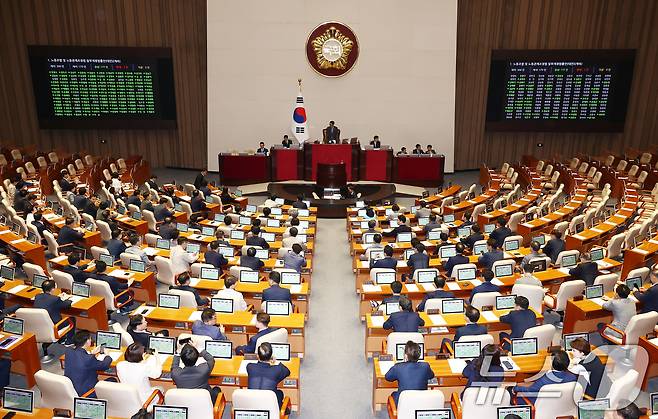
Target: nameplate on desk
(560,213)
(545,219)
(238,329)
(610,223)
(652,241)
(195,281)
(564,270)
(17,241)
(290,382)
(570,207)
(579,237)
(597,230)
(243,367)
(296,331)
(641,251)
(59,259)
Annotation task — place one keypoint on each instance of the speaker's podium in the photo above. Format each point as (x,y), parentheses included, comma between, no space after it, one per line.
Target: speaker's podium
(346,154)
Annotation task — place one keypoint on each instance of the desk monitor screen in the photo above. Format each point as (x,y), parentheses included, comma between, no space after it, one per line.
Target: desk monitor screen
(3,220)
(278,308)
(384,278)
(250,414)
(503,270)
(434,235)
(452,305)
(226,251)
(538,265)
(281,351)
(654,403)
(219,349)
(399,351)
(423,221)
(209,199)
(449,218)
(369,238)
(237,235)
(414,208)
(182,227)
(137,215)
(80,251)
(364,224)
(377,254)
(424,276)
(193,248)
(433,414)
(570,337)
(463,232)
(303,212)
(597,254)
(268,237)
(479,249)
(249,276)
(222,305)
(251,208)
(524,412)
(169,301)
(361,213)
(16,228)
(634,282)
(7,272)
(37,280)
(291,278)
(108,259)
(137,265)
(244,221)
(163,244)
(162,344)
(404,237)
(80,290)
(208,231)
(593,409)
(390,308)
(466,274)
(276,211)
(32,238)
(568,261)
(488,228)
(524,346)
(13,325)
(408,253)
(594,291)
(219,217)
(446,252)
(505,302)
(111,340)
(467,350)
(178,208)
(511,245)
(17,399)
(209,273)
(580,227)
(262,254)
(169,412)
(84,408)
(541,239)
(529,217)
(273,223)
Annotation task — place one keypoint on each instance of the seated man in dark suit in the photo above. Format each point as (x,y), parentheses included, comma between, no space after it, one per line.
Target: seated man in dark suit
(76,270)
(649,298)
(493,255)
(475,236)
(559,374)
(275,292)
(81,365)
(137,329)
(191,375)
(255,239)
(287,142)
(375,143)
(266,374)
(162,211)
(197,203)
(146,203)
(215,258)
(205,189)
(207,326)
(262,324)
(167,228)
(458,259)
(419,260)
(116,245)
(554,246)
(251,261)
(116,286)
(332,134)
(486,286)
(401,228)
(65,182)
(38,223)
(410,374)
(54,305)
(404,320)
(501,232)
(445,241)
(520,319)
(418,150)
(262,149)
(183,282)
(69,234)
(134,199)
(471,328)
(388,261)
(84,204)
(299,203)
(396,288)
(439,283)
(586,270)
(434,222)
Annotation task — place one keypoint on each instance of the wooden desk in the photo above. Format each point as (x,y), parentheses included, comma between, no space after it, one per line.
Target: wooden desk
(521,205)
(24,356)
(652,368)
(640,256)
(91,238)
(585,315)
(32,253)
(140,227)
(437,198)
(469,204)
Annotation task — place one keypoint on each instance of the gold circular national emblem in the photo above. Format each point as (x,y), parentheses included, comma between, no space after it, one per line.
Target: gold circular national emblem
(332,49)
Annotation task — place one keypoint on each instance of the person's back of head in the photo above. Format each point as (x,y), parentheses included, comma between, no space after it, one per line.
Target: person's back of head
(183,278)
(263,318)
(293,232)
(181,240)
(535,246)
(189,355)
(395,208)
(472,314)
(100,266)
(501,222)
(294,221)
(439,282)
(623,291)
(47,286)
(444,237)
(460,248)
(228,220)
(388,251)
(560,361)
(412,351)
(297,248)
(370,212)
(116,233)
(629,411)
(275,277)
(134,239)
(405,303)
(432,218)
(372,224)
(396,287)
(229,281)
(80,338)
(488,275)
(69,221)
(521,302)
(267,211)
(557,234)
(377,238)
(207,314)
(420,248)
(251,252)
(214,245)
(492,243)
(265,352)
(73,259)
(527,268)
(255,230)
(402,219)
(475,228)
(134,353)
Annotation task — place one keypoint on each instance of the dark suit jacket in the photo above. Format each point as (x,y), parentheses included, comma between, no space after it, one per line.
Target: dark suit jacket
(160,212)
(116,247)
(387,262)
(551,377)
(78,274)
(251,262)
(300,205)
(418,261)
(410,376)
(250,347)
(115,285)
(376,144)
(195,376)
(470,329)
(146,205)
(66,185)
(434,294)
(40,227)
(81,368)
(404,321)
(216,259)
(67,235)
(134,200)
(470,240)
(332,134)
(286,144)
(198,180)
(648,298)
(519,321)
(153,185)
(587,272)
(276,293)
(197,204)
(485,286)
(473,375)
(81,202)
(53,304)
(257,241)
(500,234)
(487,260)
(553,248)
(399,229)
(453,261)
(263,376)
(200,301)
(596,370)
(166,231)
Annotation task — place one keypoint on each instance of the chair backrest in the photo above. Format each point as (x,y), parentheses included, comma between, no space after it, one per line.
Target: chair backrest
(101,289)
(631,235)
(30,269)
(534,294)
(275,336)
(256,400)
(457,268)
(645,158)
(624,388)
(165,271)
(235,270)
(151,239)
(198,401)
(562,227)
(483,339)
(186,208)
(123,400)
(53,247)
(567,291)
(504,168)
(395,338)
(484,299)
(642,177)
(88,219)
(186,297)
(63,280)
(433,304)
(544,334)
(540,165)
(608,281)
(195,268)
(150,220)
(548,406)
(412,400)
(597,178)
(633,170)
(126,339)
(477,210)
(41,161)
(642,272)
(127,257)
(514,221)
(615,245)
(57,391)
(37,321)
(640,325)
(476,406)
(96,251)
(564,253)
(104,228)
(52,156)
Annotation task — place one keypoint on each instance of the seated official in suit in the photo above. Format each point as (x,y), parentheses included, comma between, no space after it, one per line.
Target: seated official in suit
(191,375)
(299,203)
(84,204)
(275,292)
(181,259)
(331,134)
(396,289)
(418,149)
(162,210)
(376,244)
(429,149)
(395,213)
(494,254)
(137,329)
(207,326)
(444,241)
(535,252)
(292,239)
(371,227)
(375,143)
(116,245)
(197,204)
(65,182)
(388,261)
(213,257)
(501,232)
(134,199)
(287,142)
(520,319)
(167,228)
(475,236)
(458,259)
(75,269)
(183,281)
(582,355)
(649,298)
(471,328)
(250,260)
(146,202)
(70,234)
(256,240)
(262,149)
(267,373)
(402,152)
(135,248)
(419,260)
(439,283)
(38,223)
(229,292)
(410,374)
(401,228)
(262,324)
(486,285)
(586,270)
(559,374)
(528,278)
(404,320)
(554,246)
(294,259)
(115,285)
(81,365)
(433,223)
(485,370)
(423,211)
(54,305)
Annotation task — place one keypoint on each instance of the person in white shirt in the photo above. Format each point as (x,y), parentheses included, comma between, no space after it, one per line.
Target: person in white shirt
(271,202)
(229,292)
(294,222)
(137,369)
(116,182)
(180,258)
(136,249)
(528,278)
(292,239)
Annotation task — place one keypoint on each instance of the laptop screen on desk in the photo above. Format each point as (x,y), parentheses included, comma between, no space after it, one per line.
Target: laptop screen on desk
(163,345)
(84,408)
(250,414)
(538,265)
(524,346)
(434,235)
(368,238)
(226,251)
(169,301)
(390,308)
(18,400)
(452,305)
(262,253)
(408,253)
(278,308)
(111,340)
(433,414)
(163,244)
(488,228)
(424,276)
(137,265)
(209,273)
(399,351)
(570,337)
(249,277)
(13,325)
(524,412)
(193,248)
(281,351)
(37,280)
(169,412)
(303,212)
(632,282)
(268,237)
(7,272)
(276,211)
(208,231)
(273,223)
(466,350)
(505,302)
(463,232)
(594,291)
(449,218)
(364,224)
(466,274)
(654,403)
(423,221)
(540,239)
(593,409)
(384,278)
(291,278)
(503,270)
(511,245)
(237,235)
(251,208)
(404,237)
(568,261)
(479,249)
(108,259)
(597,254)
(182,227)
(377,254)
(80,290)
(245,221)
(220,349)
(446,252)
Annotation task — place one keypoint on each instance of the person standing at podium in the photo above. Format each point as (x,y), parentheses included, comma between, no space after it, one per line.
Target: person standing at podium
(287,142)
(375,143)
(332,134)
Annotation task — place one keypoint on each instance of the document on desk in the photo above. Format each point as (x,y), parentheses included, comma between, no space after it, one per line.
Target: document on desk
(377,321)
(475,282)
(194,316)
(437,320)
(120,273)
(75,299)
(412,288)
(384,366)
(564,270)
(489,316)
(253,320)
(598,301)
(195,281)
(453,286)
(641,251)
(113,354)
(150,251)
(654,341)
(49,216)
(429,287)
(17,289)
(603,264)
(372,288)
(457,365)
(59,259)
(243,366)
(497,281)
(296,289)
